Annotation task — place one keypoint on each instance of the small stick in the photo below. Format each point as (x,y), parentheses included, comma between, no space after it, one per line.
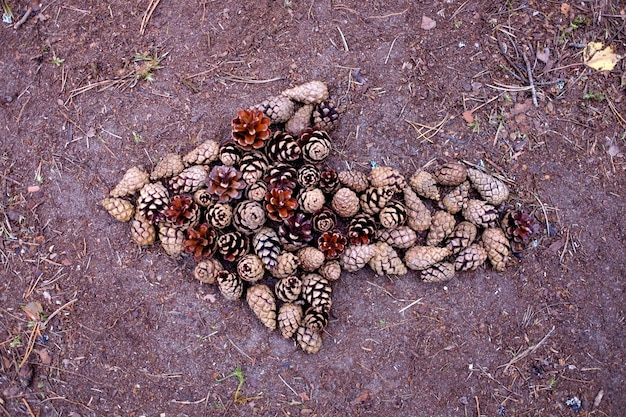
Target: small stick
(57,311)
(23,19)
(529,71)
(545,215)
(343,39)
(147,15)
(477,406)
(30,410)
(418,301)
(239,349)
(529,351)
(390,48)
(288,386)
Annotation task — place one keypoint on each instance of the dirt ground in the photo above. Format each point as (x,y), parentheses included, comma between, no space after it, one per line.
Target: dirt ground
(129,332)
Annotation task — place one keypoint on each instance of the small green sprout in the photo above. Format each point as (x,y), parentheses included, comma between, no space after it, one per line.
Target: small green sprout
(137,137)
(56,61)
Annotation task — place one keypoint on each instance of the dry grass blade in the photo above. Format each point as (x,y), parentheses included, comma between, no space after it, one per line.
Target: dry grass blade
(430,131)
(247,80)
(503,87)
(528,351)
(147,15)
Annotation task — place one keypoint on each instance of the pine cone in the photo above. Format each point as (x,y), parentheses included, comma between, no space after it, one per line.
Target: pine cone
(315,145)
(392,215)
(283,147)
(309,176)
(518,227)
(253,166)
(251,129)
(203,198)
(280,204)
(309,340)
(356,257)
(375,198)
(225,183)
(354,180)
(316,292)
(142,231)
(421,257)
(295,232)
(230,154)
(172,240)
(263,304)
(361,229)
(289,319)
(311,200)
(300,120)
(450,174)
(133,180)
(233,246)
(250,268)
(182,212)
(220,216)
(331,270)
(201,241)
(329,181)
(345,202)
(402,237)
(121,210)
(170,165)
(248,217)
(462,236)
(497,246)
(418,217)
(282,176)
(257,191)
(455,199)
(324,220)
(439,272)
(480,213)
(288,289)
(206,271)
(386,261)
(230,285)
(315,319)
(325,116)
(279,109)
(152,200)
(309,93)
(310,258)
(267,246)
(424,184)
(287,264)
(189,180)
(490,188)
(332,244)
(470,258)
(206,153)
(441,227)
(385,176)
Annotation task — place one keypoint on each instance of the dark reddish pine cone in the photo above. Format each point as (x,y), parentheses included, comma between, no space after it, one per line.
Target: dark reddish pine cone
(361,229)
(251,129)
(332,244)
(182,211)
(201,241)
(296,229)
(282,176)
(329,181)
(519,227)
(225,183)
(280,204)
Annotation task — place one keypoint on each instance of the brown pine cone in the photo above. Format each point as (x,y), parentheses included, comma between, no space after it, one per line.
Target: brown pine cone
(279,204)
(325,116)
(418,217)
(386,261)
(470,258)
(331,270)
(250,268)
(257,191)
(248,217)
(207,270)
(171,164)
(203,198)
(439,272)
(497,246)
(225,183)
(309,176)
(315,319)
(230,154)
(312,92)
(382,176)
(141,231)
(309,340)
(253,166)
(230,285)
(354,180)
(356,257)
(133,180)
(315,145)
(182,212)
(375,198)
(283,147)
(279,109)
(450,174)
(421,257)
(324,220)
(172,240)
(287,264)
(332,244)
(233,246)
(263,304)
(121,210)
(288,289)
(152,200)
(441,227)
(463,235)
(267,246)
(204,154)
(189,180)
(489,187)
(402,237)
(392,215)
(345,202)
(311,200)
(251,129)
(300,120)
(220,215)
(310,258)
(329,181)
(281,176)
(289,319)
(201,241)
(455,199)
(295,232)
(361,229)
(424,184)
(317,292)
(480,213)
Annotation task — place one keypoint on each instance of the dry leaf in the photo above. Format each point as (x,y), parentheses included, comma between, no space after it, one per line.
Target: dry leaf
(45,357)
(428,23)
(33,310)
(543,55)
(596,56)
(565,8)
(468,116)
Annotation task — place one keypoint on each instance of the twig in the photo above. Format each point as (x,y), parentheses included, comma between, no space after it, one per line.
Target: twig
(529,351)
(239,349)
(31,344)
(529,72)
(57,311)
(390,48)
(30,410)
(147,15)
(403,309)
(343,39)
(246,80)
(619,117)
(545,214)
(288,386)
(24,18)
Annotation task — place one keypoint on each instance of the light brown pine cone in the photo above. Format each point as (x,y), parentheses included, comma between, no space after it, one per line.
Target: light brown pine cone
(470,258)
(489,187)
(121,210)
(287,264)
(421,257)
(300,120)
(462,236)
(133,180)
(450,174)
(312,200)
(441,227)
(312,92)
(356,257)
(423,183)
(207,270)
(381,176)
(310,258)
(402,237)
(263,304)
(354,180)
(386,261)
(250,268)
(480,213)
(230,285)
(171,164)
(289,319)
(142,231)
(418,216)
(331,270)
(497,246)
(345,202)
(279,109)
(439,272)
(455,199)
(204,154)
(172,240)
(309,340)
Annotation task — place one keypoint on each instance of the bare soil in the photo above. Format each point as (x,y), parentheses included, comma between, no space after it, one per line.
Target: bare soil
(129,332)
